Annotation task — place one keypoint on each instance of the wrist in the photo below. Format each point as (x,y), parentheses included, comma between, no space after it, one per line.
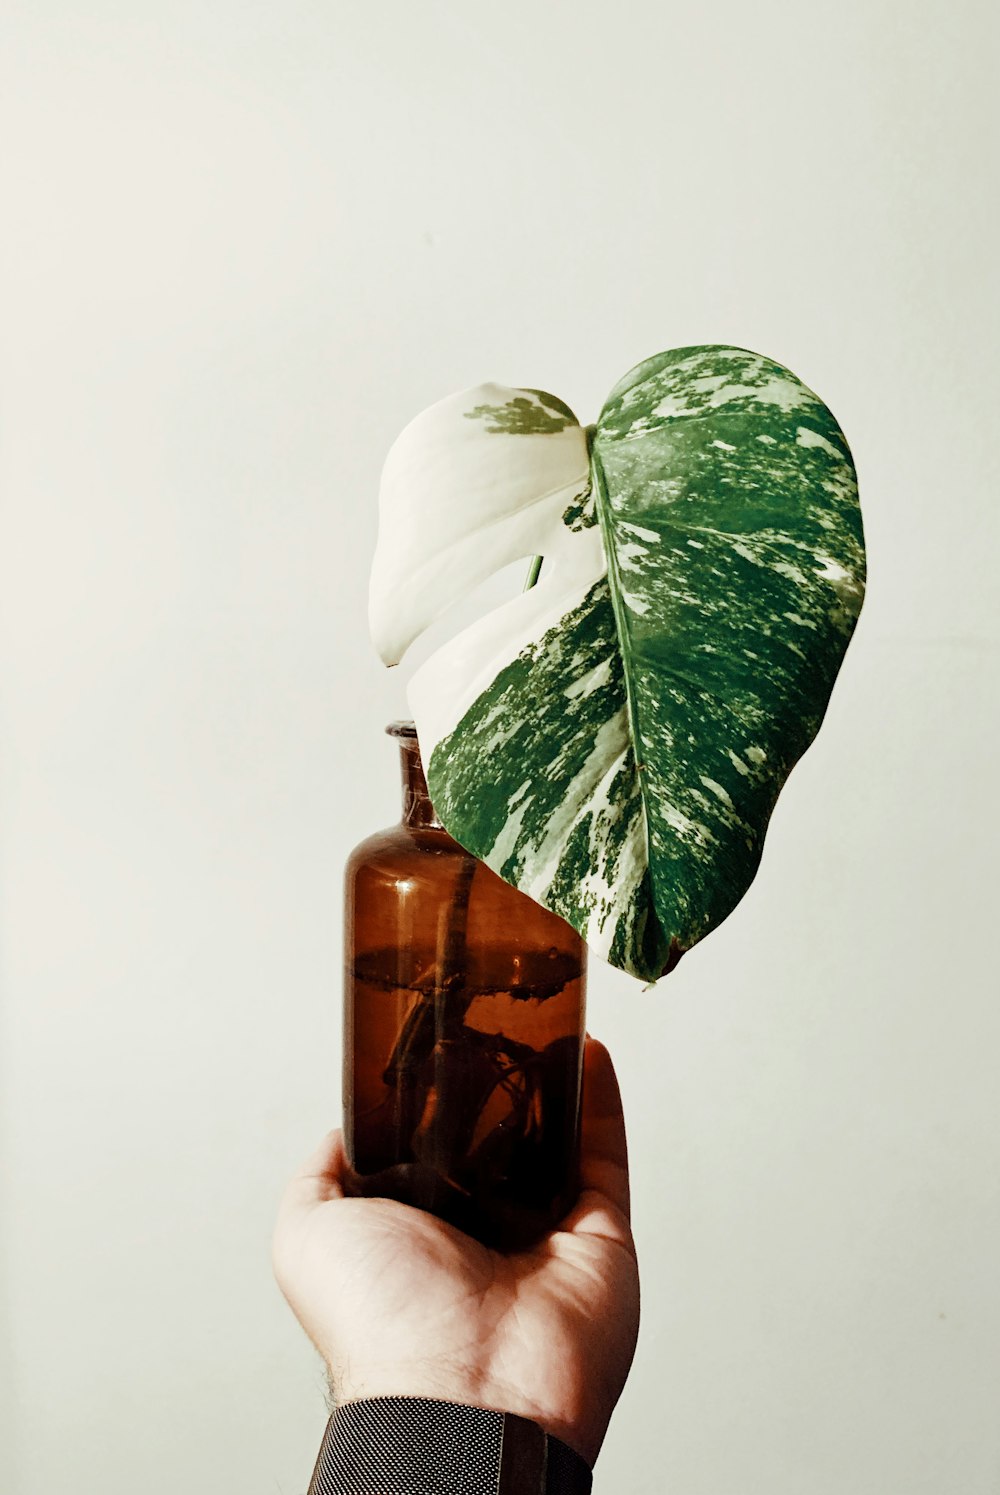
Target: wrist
(583,1433)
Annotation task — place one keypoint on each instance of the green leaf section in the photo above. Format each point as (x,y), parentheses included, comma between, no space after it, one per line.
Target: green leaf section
(622,769)
(520,416)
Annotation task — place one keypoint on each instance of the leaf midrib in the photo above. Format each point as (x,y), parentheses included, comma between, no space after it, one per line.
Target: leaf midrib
(603,507)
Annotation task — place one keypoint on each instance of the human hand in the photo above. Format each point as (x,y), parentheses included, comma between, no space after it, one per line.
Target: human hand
(401,1303)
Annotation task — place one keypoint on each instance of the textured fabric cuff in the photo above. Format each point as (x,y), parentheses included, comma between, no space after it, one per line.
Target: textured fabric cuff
(401,1445)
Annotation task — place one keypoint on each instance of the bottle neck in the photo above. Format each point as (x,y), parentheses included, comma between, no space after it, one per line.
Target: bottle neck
(417,807)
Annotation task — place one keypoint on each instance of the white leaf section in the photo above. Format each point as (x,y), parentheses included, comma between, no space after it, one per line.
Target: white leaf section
(468,487)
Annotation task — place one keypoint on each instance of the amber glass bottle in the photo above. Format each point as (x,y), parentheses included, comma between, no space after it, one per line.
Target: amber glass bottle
(463,1031)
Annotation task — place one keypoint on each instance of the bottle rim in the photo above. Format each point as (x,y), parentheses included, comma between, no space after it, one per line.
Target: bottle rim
(402,729)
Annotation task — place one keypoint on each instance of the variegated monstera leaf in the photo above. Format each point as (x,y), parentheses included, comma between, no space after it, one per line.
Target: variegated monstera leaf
(612,741)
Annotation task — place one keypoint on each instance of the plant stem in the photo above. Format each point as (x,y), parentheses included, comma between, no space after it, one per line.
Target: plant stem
(453,960)
(420,1032)
(533,570)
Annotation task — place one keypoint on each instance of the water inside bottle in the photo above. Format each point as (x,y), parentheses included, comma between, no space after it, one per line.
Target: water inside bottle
(463,1095)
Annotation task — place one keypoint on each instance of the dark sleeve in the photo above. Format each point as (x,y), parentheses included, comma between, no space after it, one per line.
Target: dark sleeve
(401,1445)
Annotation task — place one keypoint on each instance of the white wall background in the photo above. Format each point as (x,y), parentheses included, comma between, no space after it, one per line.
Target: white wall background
(243,243)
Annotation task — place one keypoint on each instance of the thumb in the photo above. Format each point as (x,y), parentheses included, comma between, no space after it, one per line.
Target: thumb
(603,1149)
(320,1179)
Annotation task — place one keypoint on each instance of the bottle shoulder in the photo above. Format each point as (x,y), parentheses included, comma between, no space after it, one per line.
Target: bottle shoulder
(424,862)
(400,845)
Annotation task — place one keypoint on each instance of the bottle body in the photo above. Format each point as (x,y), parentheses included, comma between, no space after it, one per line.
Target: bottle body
(464,1029)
